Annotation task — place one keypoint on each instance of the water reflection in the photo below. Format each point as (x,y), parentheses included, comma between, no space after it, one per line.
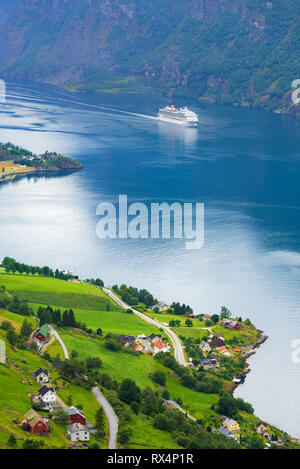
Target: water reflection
(177,134)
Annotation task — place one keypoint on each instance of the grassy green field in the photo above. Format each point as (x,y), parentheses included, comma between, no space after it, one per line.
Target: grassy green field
(246,336)
(92,307)
(86,399)
(121,365)
(191,332)
(16,319)
(47,290)
(118,365)
(145,436)
(116,322)
(167,317)
(15,400)
(55,350)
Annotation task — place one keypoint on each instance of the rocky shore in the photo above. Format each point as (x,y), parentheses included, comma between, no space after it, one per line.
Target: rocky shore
(241,377)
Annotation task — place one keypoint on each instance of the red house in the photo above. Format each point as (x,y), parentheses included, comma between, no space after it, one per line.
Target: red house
(35,423)
(230,324)
(41,335)
(76,416)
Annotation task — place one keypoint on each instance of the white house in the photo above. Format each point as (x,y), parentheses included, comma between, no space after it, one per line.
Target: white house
(47,395)
(78,432)
(41,376)
(204,346)
(262,428)
(161,306)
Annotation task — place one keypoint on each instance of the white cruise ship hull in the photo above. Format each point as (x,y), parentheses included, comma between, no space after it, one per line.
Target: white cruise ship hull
(178,121)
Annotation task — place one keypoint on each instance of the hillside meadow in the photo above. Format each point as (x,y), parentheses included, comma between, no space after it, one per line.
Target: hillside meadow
(16,319)
(48,290)
(15,379)
(122,365)
(116,322)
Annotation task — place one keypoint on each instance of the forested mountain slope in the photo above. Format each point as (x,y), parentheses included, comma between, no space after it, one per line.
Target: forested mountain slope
(238,52)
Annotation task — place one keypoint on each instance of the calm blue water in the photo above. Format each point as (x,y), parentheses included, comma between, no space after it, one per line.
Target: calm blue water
(243,164)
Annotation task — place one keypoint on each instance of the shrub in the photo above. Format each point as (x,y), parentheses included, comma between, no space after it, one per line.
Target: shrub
(159,377)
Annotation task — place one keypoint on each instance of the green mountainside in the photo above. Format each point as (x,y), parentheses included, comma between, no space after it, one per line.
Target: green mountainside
(159,403)
(241,52)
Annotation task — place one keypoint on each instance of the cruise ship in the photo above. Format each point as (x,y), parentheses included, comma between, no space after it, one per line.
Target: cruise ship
(182,116)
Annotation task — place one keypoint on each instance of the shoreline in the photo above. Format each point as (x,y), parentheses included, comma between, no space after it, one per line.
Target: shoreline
(260,341)
(168,94)
(13,176)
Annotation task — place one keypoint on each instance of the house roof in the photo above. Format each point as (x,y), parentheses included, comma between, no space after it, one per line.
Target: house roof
(43,330)
(77,427)
(33,418)
(159,344)
(44,389)
(153,336)
(225,431)
(261,423)
(208,361)
(137,347)
(40,371)
(127,337)
(229,422)
(73,411)
(204,344)
(217,342)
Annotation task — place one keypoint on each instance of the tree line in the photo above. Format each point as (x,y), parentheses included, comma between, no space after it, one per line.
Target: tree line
(55,316)
(14,304)
(12,266)
(133,296)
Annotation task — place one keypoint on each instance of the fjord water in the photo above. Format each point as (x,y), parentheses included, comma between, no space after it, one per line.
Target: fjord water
(243,164)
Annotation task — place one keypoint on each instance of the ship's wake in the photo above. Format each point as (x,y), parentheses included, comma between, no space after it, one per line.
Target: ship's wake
(112,110)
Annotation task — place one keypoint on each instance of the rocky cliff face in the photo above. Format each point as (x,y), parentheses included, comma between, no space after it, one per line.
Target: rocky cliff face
(242,52)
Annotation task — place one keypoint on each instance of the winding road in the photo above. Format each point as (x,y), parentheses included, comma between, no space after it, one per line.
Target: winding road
(178,349)
(111,416)
(109,411)
(56,334)
(178,407)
